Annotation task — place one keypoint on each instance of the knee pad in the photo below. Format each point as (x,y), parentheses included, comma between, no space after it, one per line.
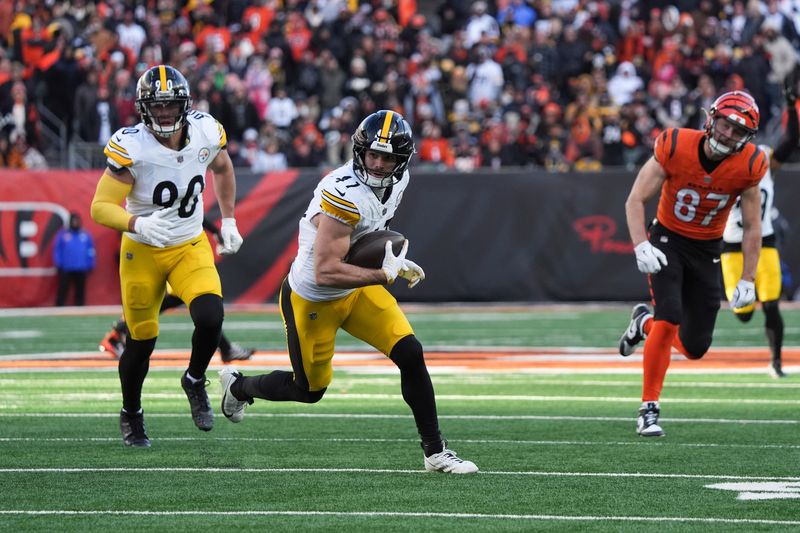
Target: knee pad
(207,311)
(407,353)
(144,330)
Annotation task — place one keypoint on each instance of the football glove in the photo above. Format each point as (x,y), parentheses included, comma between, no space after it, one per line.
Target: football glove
(393,264)
(649,259)
(412,272)
(231,239)
(744,294)
(154,228)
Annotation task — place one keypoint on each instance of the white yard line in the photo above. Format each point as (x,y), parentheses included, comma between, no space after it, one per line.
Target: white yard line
(28,414)
(390,514)
(532,473)
(514,442)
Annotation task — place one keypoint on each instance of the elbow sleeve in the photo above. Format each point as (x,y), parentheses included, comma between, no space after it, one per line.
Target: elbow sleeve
(106,204)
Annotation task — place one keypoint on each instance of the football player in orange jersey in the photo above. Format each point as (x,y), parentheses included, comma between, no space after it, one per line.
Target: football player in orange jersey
(699,174)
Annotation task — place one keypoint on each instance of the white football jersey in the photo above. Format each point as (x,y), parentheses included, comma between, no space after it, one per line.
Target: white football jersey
(733,229)
(166,178)
(342,196)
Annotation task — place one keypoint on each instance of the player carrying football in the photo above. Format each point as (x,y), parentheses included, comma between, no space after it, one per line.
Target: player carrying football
(159,168)
(323,294)
(699,175)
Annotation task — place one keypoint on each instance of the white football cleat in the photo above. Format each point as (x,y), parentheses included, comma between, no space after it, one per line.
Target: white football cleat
(232,407)
(647,423)
(448,462)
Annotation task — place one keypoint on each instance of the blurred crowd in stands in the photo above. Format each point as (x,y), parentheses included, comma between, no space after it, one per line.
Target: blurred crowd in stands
(558,84)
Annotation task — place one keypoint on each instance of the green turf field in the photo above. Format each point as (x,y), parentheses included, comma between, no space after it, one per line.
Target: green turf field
(557,451)
(445,328)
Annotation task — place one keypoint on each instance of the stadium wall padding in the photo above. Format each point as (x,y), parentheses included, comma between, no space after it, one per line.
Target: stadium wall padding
(523,236)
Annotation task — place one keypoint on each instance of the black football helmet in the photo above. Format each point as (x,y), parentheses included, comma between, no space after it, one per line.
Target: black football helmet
(383,131)
(160,86)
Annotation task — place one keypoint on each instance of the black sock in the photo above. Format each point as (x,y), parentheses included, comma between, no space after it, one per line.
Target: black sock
(133,366)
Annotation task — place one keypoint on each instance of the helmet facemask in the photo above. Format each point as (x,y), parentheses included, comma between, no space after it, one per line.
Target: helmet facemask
(730,141)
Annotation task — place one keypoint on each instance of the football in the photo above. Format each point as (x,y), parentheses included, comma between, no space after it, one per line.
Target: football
(368,251)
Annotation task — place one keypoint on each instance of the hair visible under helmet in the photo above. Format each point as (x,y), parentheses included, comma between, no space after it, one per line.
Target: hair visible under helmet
(384,131)
(739,109)
(160,86)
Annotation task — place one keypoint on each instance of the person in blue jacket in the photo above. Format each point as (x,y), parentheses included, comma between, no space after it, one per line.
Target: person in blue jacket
(74,257)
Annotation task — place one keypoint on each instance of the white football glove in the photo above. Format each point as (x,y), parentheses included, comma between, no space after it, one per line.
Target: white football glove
(231,239)
(744,294)
(393,264)
(649,259)
(154,228)
(412,272)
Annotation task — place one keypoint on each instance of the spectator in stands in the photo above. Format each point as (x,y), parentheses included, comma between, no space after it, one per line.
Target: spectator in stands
(481,26)
(282,110)
(517,12)
(383,55)
(611,137)
(19,117)
(239,113)
(485,78)
(74,259)
(624,84)
(332,78)
(782,60)
(274,159)
(131,35)
(434,149)
(103,120)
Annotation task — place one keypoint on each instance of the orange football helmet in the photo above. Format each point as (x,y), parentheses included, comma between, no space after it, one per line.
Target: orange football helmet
(732,122)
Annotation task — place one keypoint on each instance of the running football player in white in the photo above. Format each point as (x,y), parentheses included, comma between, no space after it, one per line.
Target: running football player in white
(158,167)
(323,294)
(768,274)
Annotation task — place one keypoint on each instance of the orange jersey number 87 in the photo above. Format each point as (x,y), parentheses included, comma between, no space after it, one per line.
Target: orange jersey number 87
(687,200)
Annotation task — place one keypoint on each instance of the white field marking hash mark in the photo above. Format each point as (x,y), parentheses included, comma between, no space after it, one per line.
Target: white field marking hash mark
(761,491)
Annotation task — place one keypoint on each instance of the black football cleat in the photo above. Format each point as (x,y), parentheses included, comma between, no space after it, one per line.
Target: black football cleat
(202,414)
(132,429)
(634,334)
(236,353)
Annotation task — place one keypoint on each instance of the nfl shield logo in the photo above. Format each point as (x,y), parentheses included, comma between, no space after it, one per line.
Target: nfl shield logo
(707,179)
(180,159)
